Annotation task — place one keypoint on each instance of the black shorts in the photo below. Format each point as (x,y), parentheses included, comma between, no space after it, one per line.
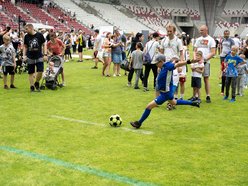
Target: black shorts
(80,48)
(8,70)
(196,82)
(39,67)
(67,51)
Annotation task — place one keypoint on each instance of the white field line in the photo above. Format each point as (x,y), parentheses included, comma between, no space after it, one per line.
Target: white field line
(141,131)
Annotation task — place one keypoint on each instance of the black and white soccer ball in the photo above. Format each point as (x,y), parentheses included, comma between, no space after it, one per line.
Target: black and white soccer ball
(115,120)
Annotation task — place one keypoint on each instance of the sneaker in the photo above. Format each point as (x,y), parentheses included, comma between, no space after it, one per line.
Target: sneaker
(114,75)
(12,86)
(199,100)
(136,88)
(94,67)
(232,100)
(129,84)
(80,61)
(6,87)
(119,75)
(32,89)
(196,104)
(208,100)
(135,124)
(37,86)
(146,89)
(191,99)
(225,98)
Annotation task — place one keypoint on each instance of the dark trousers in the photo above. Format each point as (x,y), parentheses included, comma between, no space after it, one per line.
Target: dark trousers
(130,75)
(154,69)
(223,83)
(231,81)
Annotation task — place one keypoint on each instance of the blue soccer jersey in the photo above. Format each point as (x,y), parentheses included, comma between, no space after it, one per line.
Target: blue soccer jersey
(164,79)
(232,62)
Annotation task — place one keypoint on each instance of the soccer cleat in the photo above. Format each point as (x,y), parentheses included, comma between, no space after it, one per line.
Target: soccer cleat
(196,104)
(232,100)
(32,89)
(12,86)
(225,98)
(135,124)
(208,100)
(6,87)
(37,86)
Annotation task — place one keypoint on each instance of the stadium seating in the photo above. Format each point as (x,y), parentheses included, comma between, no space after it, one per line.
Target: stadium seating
(43,17)
(86,18)
(117,18)
(68,20)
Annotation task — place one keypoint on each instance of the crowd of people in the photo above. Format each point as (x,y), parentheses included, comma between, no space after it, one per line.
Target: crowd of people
(166,57)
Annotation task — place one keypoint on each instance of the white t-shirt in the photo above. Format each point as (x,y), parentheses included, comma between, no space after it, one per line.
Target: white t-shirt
(197,65)
(172,47)
(152,47)
(175,77)
(204,44)
(98,43)
(237,42)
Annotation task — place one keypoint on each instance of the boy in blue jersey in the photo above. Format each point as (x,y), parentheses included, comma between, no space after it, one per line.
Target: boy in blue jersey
(165,88)
(231,62)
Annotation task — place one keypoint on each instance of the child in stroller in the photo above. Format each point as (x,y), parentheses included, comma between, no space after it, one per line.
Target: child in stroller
(51,75)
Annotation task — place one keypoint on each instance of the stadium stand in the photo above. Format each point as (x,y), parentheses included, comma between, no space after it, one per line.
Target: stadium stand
(86,18)
(117,18)
(42,16)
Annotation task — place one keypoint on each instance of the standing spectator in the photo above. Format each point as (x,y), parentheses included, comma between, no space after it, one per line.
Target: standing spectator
(206,45)
(137,63)
(67,43)
(81,44)
(232,60)
(197,70)
(97,47)
(242,71)
(117,52)
(7,54)
(74,42)
(172,47)
(33,51)
(152,48)
(106,55)
(138,38)
(226,45)
(237,41)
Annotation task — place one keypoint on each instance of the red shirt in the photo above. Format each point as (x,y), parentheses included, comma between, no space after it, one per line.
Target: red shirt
(55,48)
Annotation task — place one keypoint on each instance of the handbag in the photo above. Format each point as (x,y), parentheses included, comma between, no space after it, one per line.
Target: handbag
(125,64)
(147,58)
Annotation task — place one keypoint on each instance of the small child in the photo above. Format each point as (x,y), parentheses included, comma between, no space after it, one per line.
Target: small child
(137,63)
(197,70)
(231,62)
(242,70)
(222,77)
(7,54)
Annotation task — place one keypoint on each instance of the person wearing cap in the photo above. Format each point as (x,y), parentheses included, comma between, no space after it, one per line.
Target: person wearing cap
(165,87)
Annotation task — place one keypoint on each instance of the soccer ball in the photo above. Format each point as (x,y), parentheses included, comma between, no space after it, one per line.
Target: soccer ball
(170,107)
(115,120)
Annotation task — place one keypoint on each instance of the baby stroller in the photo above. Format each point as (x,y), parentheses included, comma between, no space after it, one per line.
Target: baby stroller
(51,75)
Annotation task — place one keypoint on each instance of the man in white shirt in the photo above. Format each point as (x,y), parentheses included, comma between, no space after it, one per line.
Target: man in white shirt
(97,47)
(172,47)
(237,41)
(205,44)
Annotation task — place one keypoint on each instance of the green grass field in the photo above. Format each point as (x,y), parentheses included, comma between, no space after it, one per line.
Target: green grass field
(63,138)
